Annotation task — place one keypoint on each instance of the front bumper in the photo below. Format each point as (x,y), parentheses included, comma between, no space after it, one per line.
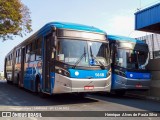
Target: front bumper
(65,84)
(119,82)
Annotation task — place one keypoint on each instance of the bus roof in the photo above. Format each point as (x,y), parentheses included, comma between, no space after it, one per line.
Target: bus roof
(61,25)
(64,25)
(72,26)
(123,38)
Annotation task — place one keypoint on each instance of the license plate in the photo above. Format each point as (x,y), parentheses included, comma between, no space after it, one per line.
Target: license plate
(138,86)
(88,87)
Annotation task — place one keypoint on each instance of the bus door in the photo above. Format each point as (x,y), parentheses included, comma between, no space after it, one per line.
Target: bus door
(21,78)
(5,70)
(47,63)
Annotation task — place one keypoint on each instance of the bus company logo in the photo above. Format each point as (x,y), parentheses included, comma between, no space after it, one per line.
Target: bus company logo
(6,114)
(76,73)
(131,75)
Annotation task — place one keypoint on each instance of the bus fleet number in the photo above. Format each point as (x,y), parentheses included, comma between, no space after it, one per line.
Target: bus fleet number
(99,74)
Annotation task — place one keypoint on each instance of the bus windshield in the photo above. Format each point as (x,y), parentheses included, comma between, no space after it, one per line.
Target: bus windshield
(76,52)
(132,59)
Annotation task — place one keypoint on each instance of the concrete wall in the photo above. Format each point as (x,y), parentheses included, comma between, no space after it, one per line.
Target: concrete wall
(154,92)
(154,67)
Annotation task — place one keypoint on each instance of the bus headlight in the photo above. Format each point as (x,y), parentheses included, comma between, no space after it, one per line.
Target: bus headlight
(59,71)
(62,71)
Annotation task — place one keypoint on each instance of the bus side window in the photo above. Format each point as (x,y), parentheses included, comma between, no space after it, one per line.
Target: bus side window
(16,56)
(27,53)
(53,49)
(32,52)
(19,56)
(38,49)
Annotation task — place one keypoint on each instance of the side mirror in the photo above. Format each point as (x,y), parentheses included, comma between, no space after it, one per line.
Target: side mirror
(54,38)
(115,48)
(55,42)
(110,60)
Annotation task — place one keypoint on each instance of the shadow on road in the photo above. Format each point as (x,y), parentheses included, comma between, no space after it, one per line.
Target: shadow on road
(130,101)
(11,95)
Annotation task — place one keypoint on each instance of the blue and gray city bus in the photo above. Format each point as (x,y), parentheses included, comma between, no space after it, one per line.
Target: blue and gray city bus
(61,58)
(129,60)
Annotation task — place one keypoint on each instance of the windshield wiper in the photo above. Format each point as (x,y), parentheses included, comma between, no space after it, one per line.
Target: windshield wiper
(94,58)
(79,60)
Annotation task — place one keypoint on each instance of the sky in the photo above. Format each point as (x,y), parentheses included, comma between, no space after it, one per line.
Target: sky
(113,16)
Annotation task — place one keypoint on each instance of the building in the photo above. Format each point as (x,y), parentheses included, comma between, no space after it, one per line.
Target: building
(148,20)
(153,41)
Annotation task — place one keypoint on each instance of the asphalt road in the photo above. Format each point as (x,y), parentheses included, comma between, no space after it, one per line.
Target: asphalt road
(13,98)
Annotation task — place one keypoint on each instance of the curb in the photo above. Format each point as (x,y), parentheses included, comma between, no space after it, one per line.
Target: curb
(153,98)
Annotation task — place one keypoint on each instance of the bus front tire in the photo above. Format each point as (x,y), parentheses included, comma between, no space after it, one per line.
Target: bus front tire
(39,90)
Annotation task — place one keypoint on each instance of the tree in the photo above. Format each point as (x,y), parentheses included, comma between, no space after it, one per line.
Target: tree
(14,19)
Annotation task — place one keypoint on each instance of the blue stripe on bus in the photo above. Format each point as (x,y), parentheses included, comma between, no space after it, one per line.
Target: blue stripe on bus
(113,77)
(137,75)
(52,79)
(74,73)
